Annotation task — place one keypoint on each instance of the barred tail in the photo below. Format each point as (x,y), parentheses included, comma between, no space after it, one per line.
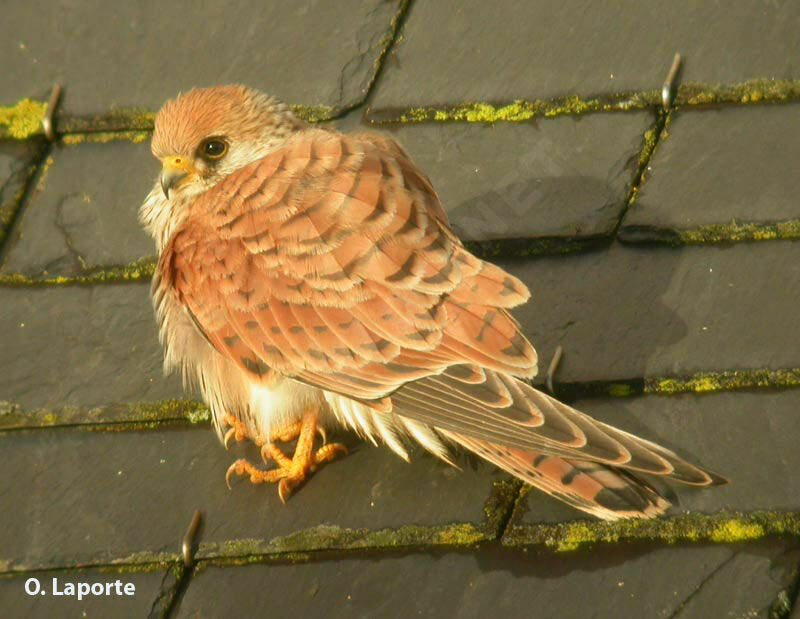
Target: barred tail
(603,491)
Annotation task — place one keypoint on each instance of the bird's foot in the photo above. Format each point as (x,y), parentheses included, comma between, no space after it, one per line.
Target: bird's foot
(290,472)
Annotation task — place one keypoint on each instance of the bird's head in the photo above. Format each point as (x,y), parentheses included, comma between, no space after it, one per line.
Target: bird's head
(207,133)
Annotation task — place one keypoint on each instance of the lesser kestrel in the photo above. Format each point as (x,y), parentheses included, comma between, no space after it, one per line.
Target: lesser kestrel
(308,278)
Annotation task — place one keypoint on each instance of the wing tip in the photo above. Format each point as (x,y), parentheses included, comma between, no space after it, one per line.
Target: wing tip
(716,479)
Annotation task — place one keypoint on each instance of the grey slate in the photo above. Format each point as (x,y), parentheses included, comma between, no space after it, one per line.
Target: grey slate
(745,586)
(719,165)
(76,346)
(130,492)
(749,437)
(16,161)
(566,177)
(17,603)
(629,312)
(84,212)
(453,51)
(629,582)
(310,52)
(494,184)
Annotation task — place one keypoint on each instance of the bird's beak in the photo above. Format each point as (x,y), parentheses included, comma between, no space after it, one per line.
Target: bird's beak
(174,170)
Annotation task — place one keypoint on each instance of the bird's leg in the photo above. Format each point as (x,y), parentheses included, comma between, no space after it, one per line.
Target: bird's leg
(284,434)
(290,472)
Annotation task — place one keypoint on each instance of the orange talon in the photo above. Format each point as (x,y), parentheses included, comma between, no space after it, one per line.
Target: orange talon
(237,429)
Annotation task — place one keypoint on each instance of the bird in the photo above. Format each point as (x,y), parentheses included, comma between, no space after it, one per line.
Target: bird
(309,279)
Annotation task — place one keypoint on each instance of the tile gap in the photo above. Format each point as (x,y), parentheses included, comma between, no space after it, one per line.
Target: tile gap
(38,163)
(787,599)
(173,588)
(398,21)
(645,156)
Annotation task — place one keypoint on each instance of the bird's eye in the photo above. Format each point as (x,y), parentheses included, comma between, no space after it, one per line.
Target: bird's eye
(213,148)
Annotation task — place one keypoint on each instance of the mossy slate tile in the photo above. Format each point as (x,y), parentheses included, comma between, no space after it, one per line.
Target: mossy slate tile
(16,164)
(17,603)
(135,491)
(450,52)
(83,213)
(563,178)
(631,582)
(80,346)
(140,54)
(719,165)
(749,437)
(629,312)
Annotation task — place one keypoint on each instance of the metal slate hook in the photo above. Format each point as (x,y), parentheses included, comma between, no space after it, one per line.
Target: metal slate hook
(52,105)
(668,89)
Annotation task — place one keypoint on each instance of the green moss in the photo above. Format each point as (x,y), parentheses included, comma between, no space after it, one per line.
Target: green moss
(326,537)
(135,562)
(650,140)
(781,605)
(118,120)
(153,560)
(250,559)
(516,111)
(8,570)
(731,531)
(190,410)
(652,137)
(133,117)
(44,170)
(620,390)
(499,505)
(520,110)
(136,271)
(751,91)
(137,568)
(575,105)
(385,45)
(113,417)
(103,137)
(464,534)
(600,389)
(314,113)
(23,119)
(171,586)
(706,382)
(718,528)
(739,231)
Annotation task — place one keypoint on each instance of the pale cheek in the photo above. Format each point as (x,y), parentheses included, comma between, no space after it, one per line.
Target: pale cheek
(238,158)
(244,154)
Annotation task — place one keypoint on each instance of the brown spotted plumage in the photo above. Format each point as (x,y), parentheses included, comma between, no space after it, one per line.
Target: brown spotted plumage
(308,277)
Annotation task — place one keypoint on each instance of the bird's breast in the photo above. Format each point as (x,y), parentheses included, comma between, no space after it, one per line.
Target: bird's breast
(282,402)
